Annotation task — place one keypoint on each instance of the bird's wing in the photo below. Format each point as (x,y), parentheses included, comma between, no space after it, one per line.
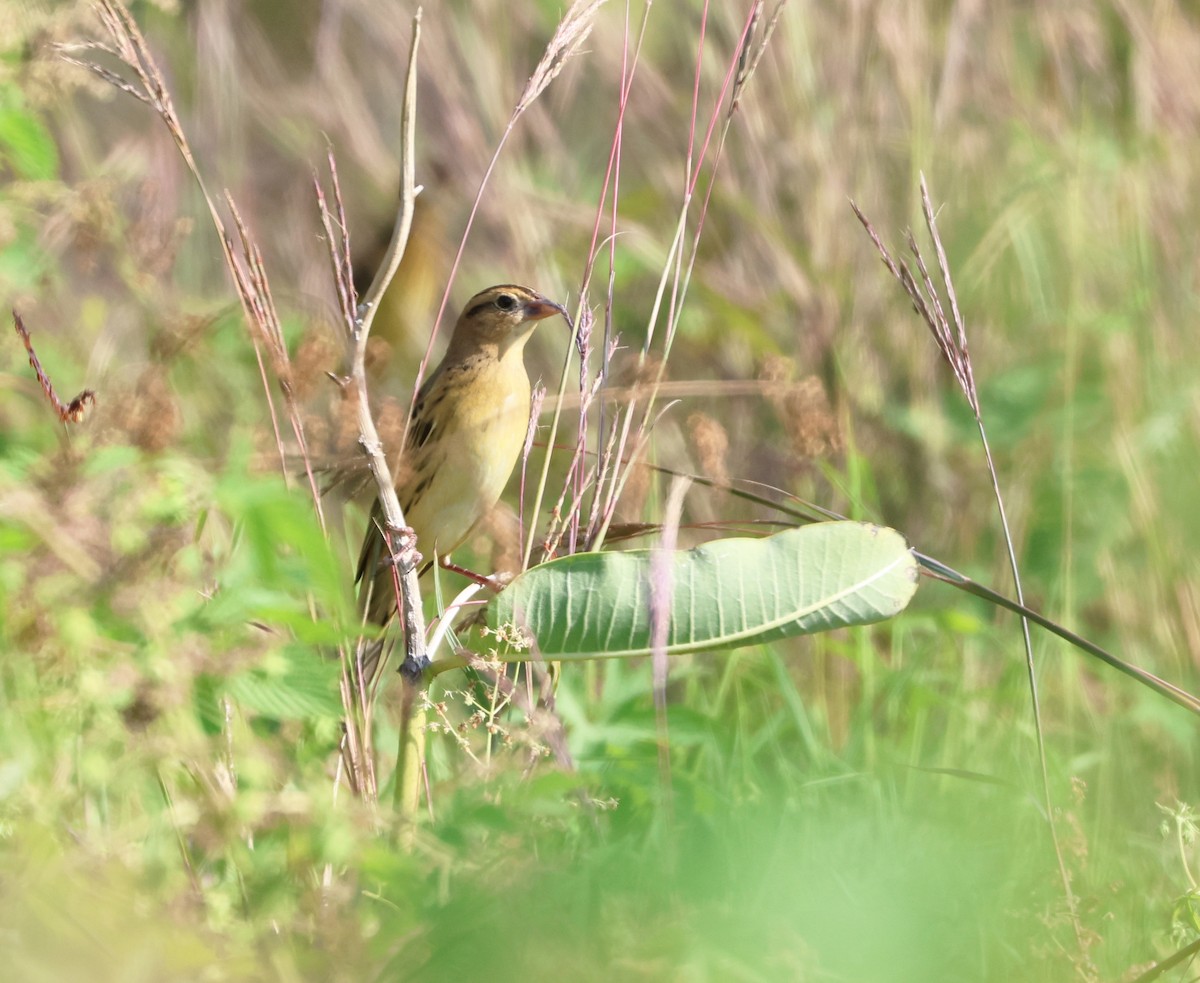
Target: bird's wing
(412,461)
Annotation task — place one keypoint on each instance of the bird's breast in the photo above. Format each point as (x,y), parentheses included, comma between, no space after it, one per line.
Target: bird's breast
(481,421)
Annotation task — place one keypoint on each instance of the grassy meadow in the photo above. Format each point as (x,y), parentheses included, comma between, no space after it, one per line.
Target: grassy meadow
(858,805)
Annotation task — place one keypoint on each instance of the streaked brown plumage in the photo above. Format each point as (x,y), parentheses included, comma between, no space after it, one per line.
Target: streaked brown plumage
(468,426)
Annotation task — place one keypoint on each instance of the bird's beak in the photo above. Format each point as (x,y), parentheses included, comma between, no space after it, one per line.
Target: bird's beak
(537,310)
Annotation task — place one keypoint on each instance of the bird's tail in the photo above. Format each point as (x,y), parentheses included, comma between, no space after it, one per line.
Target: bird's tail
(376,577)
(371,655)
(376,596)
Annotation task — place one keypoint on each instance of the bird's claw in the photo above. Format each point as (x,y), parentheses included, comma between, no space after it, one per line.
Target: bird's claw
(403,543)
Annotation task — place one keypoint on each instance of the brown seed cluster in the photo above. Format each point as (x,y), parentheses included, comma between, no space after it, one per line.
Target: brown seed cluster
(803,408)
(150,414)
(711,444)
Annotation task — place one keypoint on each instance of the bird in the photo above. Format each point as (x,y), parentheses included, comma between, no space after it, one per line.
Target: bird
(469,423)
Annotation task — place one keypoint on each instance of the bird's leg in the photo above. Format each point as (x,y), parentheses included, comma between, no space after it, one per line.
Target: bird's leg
(495,584)
(403,558)
(402,547)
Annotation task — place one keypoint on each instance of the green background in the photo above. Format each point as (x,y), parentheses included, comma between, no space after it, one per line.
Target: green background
(860,805)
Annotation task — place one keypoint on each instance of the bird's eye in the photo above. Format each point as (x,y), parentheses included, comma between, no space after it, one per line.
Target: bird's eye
(506,302)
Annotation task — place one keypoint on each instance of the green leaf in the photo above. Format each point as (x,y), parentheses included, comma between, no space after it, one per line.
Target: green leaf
(25,144)
(725,594)
(296,685)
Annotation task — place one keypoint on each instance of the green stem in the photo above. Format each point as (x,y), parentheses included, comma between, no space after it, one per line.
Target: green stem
(410,758)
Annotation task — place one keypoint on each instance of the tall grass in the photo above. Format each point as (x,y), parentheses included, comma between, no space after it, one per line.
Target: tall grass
(847,806)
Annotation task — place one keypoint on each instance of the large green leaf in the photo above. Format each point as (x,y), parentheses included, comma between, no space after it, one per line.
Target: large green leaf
(725,594)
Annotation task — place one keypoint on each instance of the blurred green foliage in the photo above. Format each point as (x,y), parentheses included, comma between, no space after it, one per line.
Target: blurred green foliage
(852,806)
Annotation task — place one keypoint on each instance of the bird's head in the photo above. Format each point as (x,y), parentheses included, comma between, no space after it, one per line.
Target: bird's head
(504,316)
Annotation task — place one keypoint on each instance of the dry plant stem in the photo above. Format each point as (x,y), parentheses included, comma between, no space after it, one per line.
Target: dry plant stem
(661,589)
(356,752)
(1156,971)
(254,291)
(674,269)
(130,49)
(605,460)
(544,474)
(577,472)
(602,514)
(583,332)
(951,338)
(250,279)
(409,600)
(355,690)
(410,752)
(357,749)
(556,735)
(962,364)
(72,412)
(617,482)
(612,177)
(560,523)
(570,34)
(536,399)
